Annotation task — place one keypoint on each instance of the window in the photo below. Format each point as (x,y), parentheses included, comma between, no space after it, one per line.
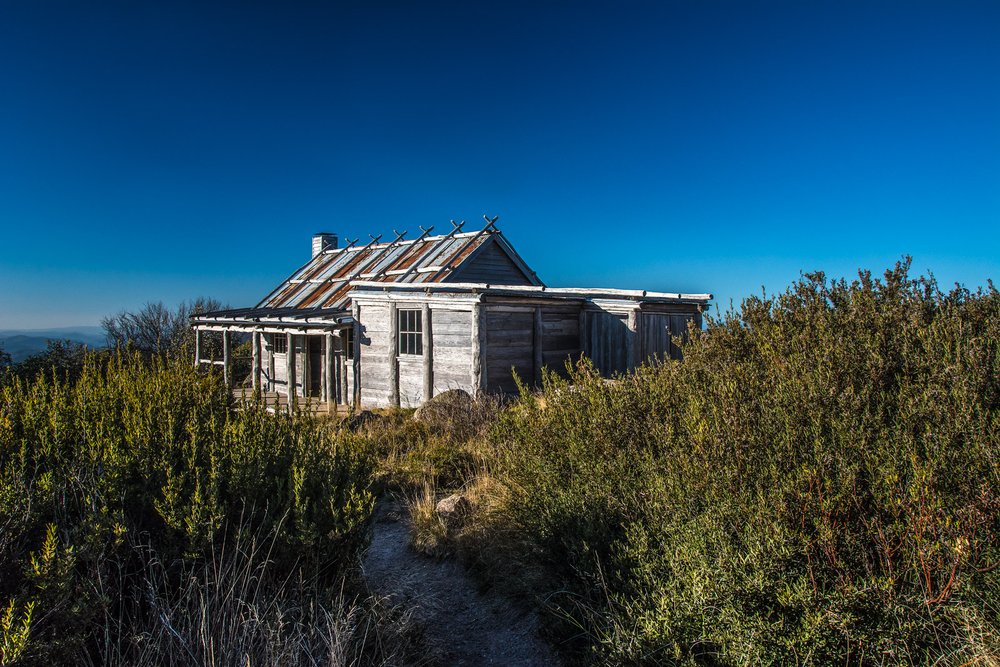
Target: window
(411,337)
(280,344)
(350,343)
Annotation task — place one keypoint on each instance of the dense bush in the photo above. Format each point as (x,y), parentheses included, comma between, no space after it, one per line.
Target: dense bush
(143,466)
(816,483)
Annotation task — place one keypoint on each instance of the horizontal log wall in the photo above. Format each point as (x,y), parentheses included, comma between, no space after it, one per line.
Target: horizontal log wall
(452,340)
(509,346)
(411,380)
(448,343)
(522,335)
(560,337)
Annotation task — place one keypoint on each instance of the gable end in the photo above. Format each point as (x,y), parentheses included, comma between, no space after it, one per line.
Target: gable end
(494,264)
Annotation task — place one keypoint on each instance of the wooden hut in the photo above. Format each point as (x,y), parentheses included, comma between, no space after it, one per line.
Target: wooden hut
(395,323)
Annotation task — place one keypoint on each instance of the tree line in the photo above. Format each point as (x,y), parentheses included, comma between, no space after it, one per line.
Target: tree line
(154,329)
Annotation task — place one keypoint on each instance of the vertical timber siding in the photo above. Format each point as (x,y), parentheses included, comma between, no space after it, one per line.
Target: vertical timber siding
(609,340)
(658,330)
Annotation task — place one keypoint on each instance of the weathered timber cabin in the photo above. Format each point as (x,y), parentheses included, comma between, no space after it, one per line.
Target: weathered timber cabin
(393,324)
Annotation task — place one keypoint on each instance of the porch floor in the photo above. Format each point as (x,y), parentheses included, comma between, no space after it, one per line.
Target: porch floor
(276,402)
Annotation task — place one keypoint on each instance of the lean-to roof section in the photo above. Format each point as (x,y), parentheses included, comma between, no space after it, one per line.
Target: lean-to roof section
(324,281)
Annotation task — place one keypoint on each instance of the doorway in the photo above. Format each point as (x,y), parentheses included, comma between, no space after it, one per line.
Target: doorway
(314,348)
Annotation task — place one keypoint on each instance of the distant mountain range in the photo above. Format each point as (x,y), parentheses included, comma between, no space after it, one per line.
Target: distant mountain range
(22,343)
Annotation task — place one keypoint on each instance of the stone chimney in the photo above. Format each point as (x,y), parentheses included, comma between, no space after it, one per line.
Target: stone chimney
(323,241)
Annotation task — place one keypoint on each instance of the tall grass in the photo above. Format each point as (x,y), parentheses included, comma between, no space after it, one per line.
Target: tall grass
(238,607)
(150,454)
(816,483)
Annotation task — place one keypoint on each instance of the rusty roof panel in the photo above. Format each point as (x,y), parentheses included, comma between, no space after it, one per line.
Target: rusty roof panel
(409,258)
(324,281)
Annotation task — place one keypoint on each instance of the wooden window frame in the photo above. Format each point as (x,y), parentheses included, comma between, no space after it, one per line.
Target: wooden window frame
(349,352)
(409,325)
(279,344)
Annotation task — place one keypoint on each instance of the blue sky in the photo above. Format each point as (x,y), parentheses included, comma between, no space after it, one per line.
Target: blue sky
(162,151)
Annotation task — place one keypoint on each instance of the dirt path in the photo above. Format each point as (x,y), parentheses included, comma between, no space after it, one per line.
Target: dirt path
(463,626)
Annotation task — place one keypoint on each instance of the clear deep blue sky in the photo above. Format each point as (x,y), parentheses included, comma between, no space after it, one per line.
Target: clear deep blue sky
(162,151)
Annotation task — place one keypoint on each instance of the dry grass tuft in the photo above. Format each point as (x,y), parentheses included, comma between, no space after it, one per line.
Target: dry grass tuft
(237,609)
(428,532)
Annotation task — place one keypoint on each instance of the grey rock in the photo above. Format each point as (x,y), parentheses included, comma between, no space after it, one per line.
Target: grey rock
(453,509)
(445,404)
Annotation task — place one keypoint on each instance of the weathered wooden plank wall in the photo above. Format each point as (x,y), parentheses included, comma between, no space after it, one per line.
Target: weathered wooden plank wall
(411,380)
(491,265)
(609,340)
(277,361)
(375,339)
(509,346)
(658,330)
(560,336)
(518,335)
(452,349)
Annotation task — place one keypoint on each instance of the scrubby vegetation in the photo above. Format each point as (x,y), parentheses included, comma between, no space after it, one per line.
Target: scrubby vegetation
(143,520)
(816,483)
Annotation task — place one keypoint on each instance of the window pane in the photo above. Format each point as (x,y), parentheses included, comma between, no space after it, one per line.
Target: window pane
(410,331)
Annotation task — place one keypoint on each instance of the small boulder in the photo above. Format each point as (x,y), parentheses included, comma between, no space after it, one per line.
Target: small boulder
(453,510)
(446,404)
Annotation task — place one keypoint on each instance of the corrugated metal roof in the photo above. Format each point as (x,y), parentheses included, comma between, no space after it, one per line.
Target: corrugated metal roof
(324,281)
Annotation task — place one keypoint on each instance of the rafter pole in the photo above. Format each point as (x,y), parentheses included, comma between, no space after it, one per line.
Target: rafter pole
(415,242)
(428,261)
(490,224)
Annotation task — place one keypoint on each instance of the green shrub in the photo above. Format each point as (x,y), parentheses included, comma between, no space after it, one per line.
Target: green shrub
(815,483)
(150,453)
